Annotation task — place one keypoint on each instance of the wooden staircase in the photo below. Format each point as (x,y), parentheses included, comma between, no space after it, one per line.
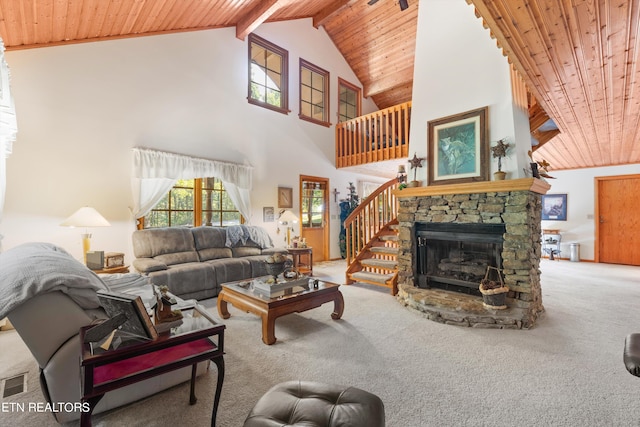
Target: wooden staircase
(372,240)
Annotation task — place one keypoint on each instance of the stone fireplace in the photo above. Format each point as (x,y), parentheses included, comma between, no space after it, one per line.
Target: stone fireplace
(449,234)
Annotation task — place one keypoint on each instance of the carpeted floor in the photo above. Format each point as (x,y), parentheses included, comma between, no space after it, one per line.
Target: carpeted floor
(566,371)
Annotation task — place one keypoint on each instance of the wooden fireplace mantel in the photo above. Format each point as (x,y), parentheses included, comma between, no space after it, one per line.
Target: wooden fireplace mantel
(521,184)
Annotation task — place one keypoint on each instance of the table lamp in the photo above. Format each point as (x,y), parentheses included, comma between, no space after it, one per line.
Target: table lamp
(86,217)
(288,218)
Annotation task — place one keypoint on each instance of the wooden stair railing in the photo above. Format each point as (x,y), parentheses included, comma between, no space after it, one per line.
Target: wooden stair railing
(371,239)
(374,137)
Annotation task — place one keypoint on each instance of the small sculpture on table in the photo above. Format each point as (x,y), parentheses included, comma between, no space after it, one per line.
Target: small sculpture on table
(164,302)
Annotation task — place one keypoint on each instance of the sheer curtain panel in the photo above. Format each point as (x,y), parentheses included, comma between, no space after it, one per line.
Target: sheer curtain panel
(156,172)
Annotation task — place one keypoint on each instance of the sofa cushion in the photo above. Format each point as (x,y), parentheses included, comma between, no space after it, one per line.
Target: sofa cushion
(177,258)
(258,265)
(184,280)
(230,269)
(242,251)
(172,245)
(210,243)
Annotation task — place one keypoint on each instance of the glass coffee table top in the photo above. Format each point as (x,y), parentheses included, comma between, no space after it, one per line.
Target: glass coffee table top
(248,288)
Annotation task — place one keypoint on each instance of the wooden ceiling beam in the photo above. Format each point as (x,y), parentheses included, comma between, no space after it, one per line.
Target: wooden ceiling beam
(543,137)
(387,82)
(256,16)
(328,11)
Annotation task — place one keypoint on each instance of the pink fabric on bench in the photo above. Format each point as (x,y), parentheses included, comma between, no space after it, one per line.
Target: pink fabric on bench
(144,362)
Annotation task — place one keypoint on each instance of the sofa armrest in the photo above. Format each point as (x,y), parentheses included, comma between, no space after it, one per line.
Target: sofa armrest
(147,265)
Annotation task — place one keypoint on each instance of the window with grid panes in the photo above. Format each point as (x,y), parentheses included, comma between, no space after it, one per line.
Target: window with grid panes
(313,195)
(349,105)
(314,93)
(194,202)
(268,82)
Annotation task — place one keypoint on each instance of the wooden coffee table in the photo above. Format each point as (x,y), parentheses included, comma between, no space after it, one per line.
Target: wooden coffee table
(295,300)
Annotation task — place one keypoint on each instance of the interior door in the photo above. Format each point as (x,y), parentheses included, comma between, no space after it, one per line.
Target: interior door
(618,219)
(314,203)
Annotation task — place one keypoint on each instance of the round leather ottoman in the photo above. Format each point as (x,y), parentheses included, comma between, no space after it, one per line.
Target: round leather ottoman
(307,403)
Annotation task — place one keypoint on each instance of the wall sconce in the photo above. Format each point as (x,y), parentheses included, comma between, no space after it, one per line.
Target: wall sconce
(402,174)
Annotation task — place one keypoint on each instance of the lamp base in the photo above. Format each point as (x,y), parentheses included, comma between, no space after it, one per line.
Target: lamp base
(86,246)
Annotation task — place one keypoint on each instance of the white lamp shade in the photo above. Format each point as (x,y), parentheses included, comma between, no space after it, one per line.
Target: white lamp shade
(288,216)
(86,217)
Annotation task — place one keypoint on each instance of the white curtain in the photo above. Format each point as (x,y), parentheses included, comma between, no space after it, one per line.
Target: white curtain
(8,126)
(155,172)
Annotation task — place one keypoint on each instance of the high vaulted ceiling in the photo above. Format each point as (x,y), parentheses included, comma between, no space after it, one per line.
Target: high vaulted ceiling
(579,58)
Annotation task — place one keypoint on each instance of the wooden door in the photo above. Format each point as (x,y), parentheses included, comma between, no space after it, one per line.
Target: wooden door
(618,219)
(314,215)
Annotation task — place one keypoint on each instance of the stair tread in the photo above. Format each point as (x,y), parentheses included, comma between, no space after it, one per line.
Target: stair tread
(384,250)
(389,237)
(383,263)
(372,277)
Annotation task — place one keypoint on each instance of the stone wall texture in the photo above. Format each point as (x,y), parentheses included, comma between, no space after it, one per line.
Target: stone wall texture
(520,211)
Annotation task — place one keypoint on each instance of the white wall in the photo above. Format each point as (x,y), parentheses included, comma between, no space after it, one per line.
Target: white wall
(81,108)
(459,68)
(579,186)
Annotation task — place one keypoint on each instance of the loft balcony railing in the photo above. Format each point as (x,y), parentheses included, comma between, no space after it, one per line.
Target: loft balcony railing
(374,137)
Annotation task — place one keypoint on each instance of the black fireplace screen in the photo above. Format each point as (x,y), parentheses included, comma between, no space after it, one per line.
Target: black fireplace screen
(455,256)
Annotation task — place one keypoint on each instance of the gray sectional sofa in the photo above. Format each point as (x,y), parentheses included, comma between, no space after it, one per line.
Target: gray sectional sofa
(194,262)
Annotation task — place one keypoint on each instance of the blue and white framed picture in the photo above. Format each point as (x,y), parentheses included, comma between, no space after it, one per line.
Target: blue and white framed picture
(554,207)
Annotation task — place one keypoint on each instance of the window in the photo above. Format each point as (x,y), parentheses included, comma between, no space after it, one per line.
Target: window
(314,91)
(268,65)
(349,104)
(194,202)
(313,201)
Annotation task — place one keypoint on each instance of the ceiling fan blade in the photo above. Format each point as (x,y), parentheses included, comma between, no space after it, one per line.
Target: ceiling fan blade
(372,2)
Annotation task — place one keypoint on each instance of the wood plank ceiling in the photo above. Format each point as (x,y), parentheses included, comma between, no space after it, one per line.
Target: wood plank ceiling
(578,57)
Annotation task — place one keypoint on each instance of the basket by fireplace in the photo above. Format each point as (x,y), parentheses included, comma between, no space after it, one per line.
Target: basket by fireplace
(494,292)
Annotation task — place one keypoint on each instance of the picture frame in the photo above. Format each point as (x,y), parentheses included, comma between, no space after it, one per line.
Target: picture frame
(554,207)
(268,214)
(285,197)
(458,148)
(138,321)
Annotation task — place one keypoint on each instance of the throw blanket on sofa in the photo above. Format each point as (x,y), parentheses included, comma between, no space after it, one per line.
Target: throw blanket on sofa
(35,268)
(240,234)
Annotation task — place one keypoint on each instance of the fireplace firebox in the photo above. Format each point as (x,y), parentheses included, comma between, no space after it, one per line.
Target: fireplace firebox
(455,256)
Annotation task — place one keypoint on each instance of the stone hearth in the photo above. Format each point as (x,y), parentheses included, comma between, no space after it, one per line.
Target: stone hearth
(514,203)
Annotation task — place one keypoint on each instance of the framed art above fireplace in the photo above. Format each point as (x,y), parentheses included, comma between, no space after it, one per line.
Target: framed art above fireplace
(458,148)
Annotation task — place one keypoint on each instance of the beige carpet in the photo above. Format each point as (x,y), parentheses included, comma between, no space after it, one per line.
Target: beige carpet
(567,371)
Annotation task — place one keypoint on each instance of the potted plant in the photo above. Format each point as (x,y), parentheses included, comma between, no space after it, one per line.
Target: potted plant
(499,151)
(494,292)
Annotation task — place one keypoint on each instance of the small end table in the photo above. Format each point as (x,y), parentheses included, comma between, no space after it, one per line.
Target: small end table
(113,270)
(196,338)
(303,265)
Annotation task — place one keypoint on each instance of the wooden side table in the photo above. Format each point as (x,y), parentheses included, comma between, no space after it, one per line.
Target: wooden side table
(113,270)
(198,337)
(302,259)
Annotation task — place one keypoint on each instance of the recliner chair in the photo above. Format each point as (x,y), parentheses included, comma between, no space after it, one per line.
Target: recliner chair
(49,324)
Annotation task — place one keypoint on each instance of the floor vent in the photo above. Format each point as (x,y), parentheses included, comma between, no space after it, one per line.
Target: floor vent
(14,385)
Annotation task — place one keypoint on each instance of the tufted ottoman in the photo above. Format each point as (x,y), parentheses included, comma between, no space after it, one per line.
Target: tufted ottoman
(297,403)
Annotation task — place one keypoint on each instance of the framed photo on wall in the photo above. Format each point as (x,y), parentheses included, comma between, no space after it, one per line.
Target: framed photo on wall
(459,148)
(285,197)
(268,214)
(554,207)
